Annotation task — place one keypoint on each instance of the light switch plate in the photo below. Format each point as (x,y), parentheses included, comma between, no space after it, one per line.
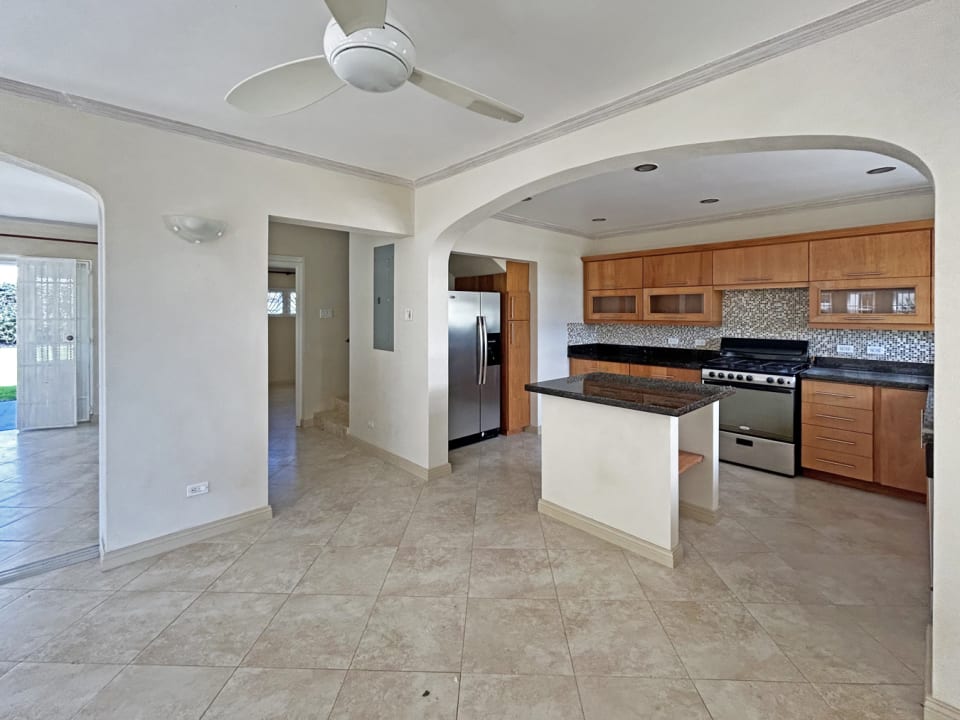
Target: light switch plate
(845,350)
(876,350)
(408,314)
(326,313)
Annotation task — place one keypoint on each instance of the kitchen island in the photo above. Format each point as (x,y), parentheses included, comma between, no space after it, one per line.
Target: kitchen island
(613,452)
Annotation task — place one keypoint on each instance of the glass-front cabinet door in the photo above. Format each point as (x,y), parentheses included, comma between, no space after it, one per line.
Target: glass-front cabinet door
(896,302)
(618,305)
(682,305)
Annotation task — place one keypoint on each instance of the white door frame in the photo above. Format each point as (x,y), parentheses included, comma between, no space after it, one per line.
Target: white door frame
(290,262)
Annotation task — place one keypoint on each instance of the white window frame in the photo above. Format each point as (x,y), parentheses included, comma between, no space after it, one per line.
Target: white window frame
(286,292)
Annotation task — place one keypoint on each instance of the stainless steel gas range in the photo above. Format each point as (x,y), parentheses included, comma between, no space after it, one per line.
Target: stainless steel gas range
(760,424)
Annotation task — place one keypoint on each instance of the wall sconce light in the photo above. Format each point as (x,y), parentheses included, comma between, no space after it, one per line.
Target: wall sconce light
(194,229)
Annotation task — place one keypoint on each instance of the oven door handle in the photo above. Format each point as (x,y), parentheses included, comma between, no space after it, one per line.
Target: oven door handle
(757,388)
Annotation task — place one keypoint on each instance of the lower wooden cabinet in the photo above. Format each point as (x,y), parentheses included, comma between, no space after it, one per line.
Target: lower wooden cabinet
(665,373)
(898,418)
(580,366)
(864,432)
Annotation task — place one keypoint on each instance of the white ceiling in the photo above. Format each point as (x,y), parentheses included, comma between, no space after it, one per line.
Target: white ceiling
(26,194)
(552,59)
(743,183)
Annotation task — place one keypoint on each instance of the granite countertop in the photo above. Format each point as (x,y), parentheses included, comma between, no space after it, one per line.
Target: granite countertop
(643,355)
(662,397)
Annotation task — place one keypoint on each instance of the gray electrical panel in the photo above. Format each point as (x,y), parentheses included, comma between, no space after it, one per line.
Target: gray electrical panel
(383,315)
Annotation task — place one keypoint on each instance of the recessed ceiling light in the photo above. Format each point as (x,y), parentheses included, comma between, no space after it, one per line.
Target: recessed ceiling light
(709,201)
(646,167)
(527,199)
(599,220)
(881,170)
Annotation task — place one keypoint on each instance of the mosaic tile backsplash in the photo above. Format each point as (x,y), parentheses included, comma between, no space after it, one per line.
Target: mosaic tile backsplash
(779,313)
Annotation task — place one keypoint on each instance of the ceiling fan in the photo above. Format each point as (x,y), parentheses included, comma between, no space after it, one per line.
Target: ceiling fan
(364,48)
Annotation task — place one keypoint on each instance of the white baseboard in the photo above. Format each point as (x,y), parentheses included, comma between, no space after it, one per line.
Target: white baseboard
(699,513)
(166,543)
(411,467)
(638,546)
(934,709)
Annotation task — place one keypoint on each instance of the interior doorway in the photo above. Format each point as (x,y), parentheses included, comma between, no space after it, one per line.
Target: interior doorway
(285,278)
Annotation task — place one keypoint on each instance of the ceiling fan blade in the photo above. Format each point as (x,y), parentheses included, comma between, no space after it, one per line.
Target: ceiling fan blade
(285,88)
(353,15)
(464,97)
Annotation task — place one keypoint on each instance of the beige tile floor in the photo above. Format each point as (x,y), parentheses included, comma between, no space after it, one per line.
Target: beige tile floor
(48,493)
(372,594)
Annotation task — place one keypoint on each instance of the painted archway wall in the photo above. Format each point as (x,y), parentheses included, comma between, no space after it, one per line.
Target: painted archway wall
(891,86)
(183,332)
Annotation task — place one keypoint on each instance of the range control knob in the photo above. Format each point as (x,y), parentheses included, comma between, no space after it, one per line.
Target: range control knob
(712,374)
(780,381)
(769,379)
(749,378)
(739,377)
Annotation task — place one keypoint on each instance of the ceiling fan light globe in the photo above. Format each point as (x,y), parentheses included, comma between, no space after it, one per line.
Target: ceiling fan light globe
(372,59)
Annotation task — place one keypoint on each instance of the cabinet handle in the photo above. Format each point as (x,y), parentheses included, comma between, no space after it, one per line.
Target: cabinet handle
(754,279)
(863,273)
(676,282)
(832,394)
(513,311)
(831,462)
(863,318)
(828,439)
(835,417)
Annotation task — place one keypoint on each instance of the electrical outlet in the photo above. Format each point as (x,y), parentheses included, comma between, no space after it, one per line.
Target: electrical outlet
(876,350)
(699,343)
(845,350)
(673,341)
(198,489)
(408,314)
(326,313)
(371,424)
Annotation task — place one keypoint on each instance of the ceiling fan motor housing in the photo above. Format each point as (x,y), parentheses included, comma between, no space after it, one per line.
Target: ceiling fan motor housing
(378,59)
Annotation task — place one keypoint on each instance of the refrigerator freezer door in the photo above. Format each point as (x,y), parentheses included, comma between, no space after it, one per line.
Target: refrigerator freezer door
(464,353)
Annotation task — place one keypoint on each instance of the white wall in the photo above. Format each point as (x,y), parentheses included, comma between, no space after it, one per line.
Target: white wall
(82,247)
(875,212)
(326,354)
(556,288)
(383,411)
(200,306)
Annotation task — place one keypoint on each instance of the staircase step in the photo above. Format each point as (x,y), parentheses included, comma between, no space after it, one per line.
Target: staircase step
(342,404)
(336,421)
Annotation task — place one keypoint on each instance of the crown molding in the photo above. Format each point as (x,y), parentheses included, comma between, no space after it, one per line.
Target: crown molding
(746,214)
(851,18)
(157,122)
(507,217)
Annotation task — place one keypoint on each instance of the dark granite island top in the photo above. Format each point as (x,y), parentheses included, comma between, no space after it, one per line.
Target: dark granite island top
(661,397)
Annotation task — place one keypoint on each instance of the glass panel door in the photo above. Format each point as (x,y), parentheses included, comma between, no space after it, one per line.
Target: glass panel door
(46,343)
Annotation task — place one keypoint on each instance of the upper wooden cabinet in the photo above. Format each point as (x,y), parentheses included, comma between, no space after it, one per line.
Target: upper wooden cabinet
(889,255)
(615,305)
(905,303)
(622,273)
(702,305)
(678,270)
(782,265)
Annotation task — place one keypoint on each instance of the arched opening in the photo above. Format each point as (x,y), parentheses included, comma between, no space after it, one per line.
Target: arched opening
(52,427)
(795,551)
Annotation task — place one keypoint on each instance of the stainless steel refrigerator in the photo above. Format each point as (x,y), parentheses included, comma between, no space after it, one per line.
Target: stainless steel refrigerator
(474,402)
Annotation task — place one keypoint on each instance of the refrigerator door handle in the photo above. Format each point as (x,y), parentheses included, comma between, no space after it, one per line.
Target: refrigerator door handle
(483,350)
(480,348)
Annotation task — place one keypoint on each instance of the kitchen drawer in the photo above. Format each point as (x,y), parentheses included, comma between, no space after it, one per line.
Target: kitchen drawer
(839,394)
(852,466)
(842,418)
(843,441)
(617,368)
